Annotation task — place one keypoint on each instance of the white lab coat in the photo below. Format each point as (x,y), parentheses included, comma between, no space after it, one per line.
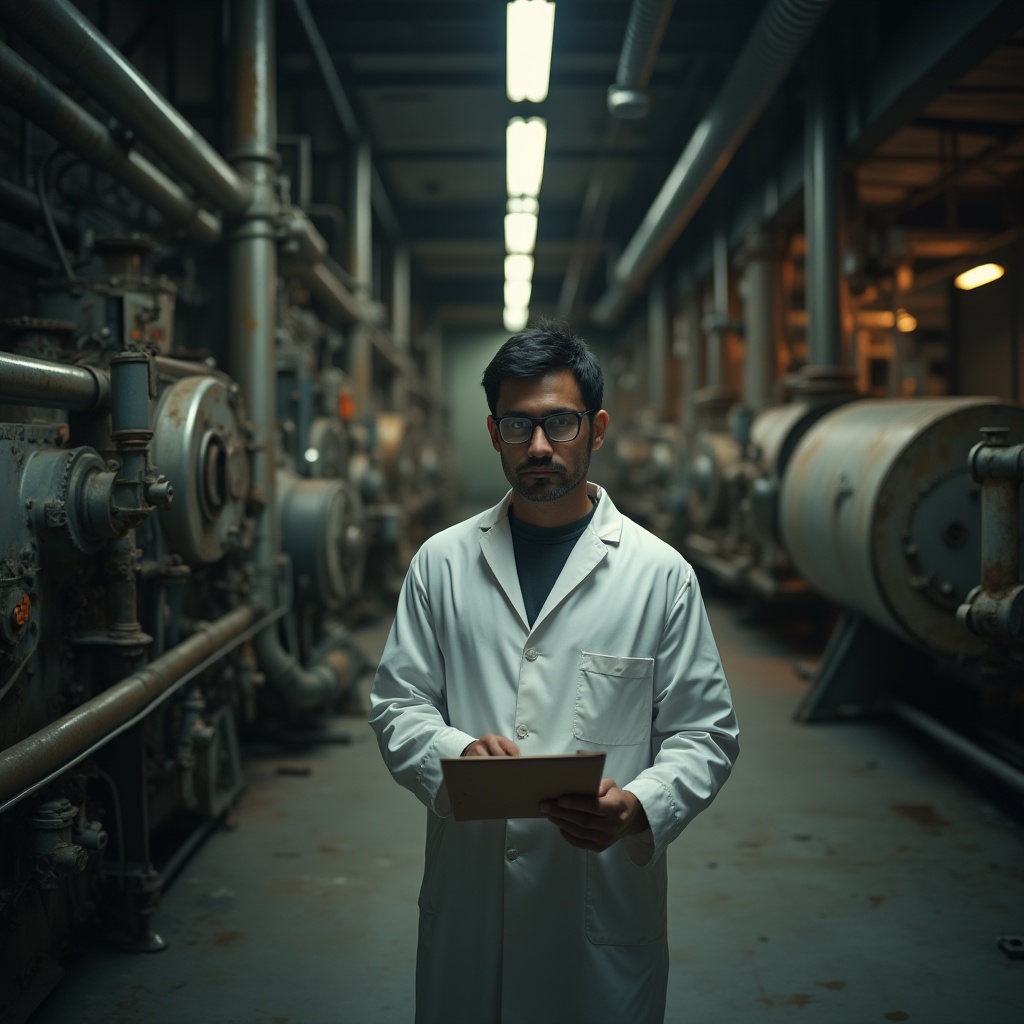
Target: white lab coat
(516,925)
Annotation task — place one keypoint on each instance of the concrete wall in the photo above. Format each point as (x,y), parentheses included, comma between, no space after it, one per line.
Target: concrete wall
(466,352)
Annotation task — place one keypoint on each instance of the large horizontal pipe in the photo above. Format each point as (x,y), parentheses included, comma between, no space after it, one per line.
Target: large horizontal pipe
(21,204)
(333,297)
(25,89)
(41,384)
(63,34)
(33,761)
(1002,770)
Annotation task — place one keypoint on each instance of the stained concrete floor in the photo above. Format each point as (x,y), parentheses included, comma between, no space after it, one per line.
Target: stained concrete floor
(846,874)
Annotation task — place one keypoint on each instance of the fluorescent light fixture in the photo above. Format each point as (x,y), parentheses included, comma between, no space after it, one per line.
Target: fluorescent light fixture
(517,294)
(519,267)
(530,25)
(515,319)
(977,276)
(524,155)
(520,232)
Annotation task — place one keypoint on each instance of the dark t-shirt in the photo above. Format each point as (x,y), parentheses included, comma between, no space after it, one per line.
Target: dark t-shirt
(541,552)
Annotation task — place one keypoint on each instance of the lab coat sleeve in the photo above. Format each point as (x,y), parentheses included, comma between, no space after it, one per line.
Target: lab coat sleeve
(408,704)
(694,738)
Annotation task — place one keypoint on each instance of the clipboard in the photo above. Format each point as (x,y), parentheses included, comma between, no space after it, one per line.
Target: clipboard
(513,787)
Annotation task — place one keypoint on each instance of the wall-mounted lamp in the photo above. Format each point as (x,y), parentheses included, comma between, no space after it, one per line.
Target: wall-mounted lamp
(530,26)
(525,140)
(977,276)
(906,323)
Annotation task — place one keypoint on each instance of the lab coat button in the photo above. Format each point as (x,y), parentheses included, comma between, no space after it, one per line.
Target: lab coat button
(511,853)
(522,731)
(532,654)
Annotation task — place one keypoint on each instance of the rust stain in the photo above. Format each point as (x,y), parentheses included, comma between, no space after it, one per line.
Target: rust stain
(921,814)
(876,901)
(224,940)
(331,851)
(800,999)
(835,986)
(896,1015)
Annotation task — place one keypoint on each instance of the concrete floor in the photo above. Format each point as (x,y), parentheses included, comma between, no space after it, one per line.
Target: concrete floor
(846,874)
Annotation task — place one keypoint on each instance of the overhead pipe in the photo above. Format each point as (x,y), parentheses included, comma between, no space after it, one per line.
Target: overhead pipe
(42,384)
(253,323)
(628,97)
(821,216)
(22,204)
(63,34)
(345,114)
(774,44)
(35,760)
(26,90)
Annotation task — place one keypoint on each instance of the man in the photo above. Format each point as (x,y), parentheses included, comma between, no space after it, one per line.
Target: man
(550,624)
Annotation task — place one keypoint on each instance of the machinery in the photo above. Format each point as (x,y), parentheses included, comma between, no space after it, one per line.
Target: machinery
(198,471)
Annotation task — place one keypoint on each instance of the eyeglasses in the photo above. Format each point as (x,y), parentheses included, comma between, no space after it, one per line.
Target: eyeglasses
(559,426)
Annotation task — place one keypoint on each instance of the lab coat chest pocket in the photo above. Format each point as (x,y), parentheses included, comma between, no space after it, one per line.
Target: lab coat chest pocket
(614,699)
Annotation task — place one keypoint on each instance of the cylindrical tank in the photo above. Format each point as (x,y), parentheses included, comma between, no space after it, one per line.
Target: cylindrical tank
(774,435)
(878,512)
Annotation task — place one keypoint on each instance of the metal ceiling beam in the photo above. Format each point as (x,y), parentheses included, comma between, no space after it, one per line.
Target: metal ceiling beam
(928,57)
(346,115)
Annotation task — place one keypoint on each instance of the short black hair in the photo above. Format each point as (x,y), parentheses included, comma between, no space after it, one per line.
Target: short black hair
(549,345)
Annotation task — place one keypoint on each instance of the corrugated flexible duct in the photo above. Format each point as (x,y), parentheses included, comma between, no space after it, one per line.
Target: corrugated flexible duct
(774,43)
(628,97)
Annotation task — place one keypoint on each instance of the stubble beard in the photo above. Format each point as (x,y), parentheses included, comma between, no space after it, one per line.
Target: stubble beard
(544,489)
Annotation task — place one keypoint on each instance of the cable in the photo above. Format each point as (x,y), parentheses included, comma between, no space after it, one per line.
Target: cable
(44,205)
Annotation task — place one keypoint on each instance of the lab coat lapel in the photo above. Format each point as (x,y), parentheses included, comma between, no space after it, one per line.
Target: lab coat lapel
(588,553)
(496,546)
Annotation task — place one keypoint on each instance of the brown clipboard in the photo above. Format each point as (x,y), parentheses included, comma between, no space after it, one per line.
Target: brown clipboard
(513,787)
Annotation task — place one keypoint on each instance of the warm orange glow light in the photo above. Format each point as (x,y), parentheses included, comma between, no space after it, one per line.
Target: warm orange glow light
(977,276)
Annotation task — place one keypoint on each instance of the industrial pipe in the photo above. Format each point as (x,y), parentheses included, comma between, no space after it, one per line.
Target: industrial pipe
(26,90)
(22,204)
(38,383)
(36,759)
(774,44)
(821,215)
(628,97)
(253,298)
(995,608)
(63,34)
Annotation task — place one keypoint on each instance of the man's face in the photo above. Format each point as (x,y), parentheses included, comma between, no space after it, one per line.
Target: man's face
(541,469)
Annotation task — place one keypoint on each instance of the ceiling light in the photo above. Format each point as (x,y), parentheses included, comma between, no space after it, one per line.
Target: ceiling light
(520,232)
(517,294)
(977,276)
(515,319)
(524,155)
(530,25)
(519,268)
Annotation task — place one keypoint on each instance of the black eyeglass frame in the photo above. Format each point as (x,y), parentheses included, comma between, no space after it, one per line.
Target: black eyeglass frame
(539,421)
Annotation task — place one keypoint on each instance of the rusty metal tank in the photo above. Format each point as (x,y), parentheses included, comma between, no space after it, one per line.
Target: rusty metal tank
(878,512)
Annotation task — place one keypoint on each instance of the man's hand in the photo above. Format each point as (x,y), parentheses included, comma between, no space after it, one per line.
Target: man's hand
(491,745)
(595,823)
